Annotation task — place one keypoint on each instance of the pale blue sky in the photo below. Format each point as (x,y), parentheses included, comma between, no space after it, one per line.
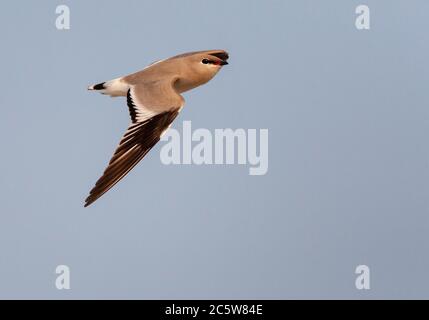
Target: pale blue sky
(348,180)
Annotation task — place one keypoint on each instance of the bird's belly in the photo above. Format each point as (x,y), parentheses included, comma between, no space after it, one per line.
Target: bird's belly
(182,85)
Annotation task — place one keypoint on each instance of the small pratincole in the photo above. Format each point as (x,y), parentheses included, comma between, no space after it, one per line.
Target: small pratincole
(154,101)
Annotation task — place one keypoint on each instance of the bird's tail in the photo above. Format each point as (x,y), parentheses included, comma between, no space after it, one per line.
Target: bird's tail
(99,86)
(114,88)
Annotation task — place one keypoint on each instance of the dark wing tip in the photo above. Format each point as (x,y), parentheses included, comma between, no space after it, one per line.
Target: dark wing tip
(89,200)
(133,147)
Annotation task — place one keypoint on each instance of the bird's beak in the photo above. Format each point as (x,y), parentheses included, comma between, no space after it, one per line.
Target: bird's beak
(222,56)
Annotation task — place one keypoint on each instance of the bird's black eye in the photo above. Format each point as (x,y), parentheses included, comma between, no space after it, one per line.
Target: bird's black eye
(205,61)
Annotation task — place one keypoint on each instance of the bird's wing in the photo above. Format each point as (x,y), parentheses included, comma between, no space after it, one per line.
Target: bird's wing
(153,107)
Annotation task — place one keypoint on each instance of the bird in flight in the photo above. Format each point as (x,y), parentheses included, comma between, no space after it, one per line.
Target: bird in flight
(154,101)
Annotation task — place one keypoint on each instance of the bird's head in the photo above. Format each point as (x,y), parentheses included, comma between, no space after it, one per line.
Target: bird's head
(209,62)
(199,67)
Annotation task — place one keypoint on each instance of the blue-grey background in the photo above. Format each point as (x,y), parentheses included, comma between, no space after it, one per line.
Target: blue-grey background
(348,180)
